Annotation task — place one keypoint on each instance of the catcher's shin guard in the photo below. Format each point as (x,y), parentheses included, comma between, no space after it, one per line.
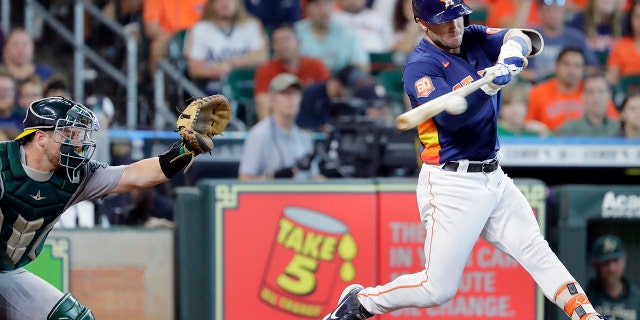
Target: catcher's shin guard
(68,308)
(573,300)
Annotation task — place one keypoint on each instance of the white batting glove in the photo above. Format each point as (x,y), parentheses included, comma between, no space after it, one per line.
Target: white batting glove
(511,55)
(503,76)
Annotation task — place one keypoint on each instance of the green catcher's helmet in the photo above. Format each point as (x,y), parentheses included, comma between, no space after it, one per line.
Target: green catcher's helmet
(72,124)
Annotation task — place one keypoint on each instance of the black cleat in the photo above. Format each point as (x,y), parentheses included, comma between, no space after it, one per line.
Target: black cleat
(349,307)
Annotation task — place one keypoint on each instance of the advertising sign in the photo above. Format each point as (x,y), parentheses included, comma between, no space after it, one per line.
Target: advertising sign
(493,285)
(287,249)
(52,264)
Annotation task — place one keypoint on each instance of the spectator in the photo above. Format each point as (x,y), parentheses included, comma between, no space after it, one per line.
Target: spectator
(630,116)
(407,33)
(164,18)
(286,58)
(373,29)
(595,122)
(225,38)
(556,37)
(624,56)
(321,102)
(30,91)
(384,7)
(513,112)
(148,207)
(56,86)
(276,147)
(602,24)
(273,13)
(8,133)
(609,290)
(18,58)
(9,115)
(559,99)
(333,42)
(513,14)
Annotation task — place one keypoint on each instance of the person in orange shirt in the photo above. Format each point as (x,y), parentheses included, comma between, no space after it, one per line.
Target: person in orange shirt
(513,14)
(286,59)
(163,18)
(625,54)
(553,102)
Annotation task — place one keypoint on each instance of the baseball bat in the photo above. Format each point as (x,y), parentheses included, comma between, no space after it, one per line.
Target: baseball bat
(431,108)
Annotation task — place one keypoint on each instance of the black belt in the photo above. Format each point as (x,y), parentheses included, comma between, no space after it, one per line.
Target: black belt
(486,167)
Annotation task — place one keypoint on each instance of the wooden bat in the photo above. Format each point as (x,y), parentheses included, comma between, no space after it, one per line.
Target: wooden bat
(431,108)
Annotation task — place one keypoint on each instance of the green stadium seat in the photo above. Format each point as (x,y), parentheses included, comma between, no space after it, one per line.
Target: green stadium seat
(238,88)
(629,85)
(391,80)
(381,61)
(176,50)
(478,16)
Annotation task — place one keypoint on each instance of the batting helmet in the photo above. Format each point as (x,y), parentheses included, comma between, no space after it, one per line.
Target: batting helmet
(440,11)
(72,125)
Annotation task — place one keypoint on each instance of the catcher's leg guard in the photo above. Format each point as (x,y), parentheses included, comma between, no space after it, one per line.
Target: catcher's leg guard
(68,308)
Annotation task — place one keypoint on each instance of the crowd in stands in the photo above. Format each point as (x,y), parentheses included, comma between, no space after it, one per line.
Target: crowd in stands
(347,58)
(317,40)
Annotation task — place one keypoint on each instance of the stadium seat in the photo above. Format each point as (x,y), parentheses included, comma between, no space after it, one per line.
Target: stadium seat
(391,80)
(381,61)
(238,87)
(629,85)
(602,57)
(176,51)
(478,16)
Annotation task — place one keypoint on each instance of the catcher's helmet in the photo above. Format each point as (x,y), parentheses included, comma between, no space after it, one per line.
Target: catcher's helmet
(72,124)
(440,11)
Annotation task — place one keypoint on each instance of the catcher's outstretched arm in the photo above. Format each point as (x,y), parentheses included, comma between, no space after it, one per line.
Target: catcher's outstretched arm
(141,174)
(197,124)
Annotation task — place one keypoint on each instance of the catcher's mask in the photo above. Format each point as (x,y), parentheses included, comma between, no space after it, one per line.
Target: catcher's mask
(72,125)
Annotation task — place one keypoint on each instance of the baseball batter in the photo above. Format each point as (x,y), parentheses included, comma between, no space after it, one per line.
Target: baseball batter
(47,169)
(462,192)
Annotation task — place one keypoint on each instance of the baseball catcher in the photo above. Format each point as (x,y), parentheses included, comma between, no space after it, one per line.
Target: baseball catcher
(197,124)
(48,168)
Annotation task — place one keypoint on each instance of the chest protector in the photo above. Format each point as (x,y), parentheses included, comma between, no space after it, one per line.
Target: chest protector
(29,208)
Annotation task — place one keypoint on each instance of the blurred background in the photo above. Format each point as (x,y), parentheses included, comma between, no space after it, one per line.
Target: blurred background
(170,252)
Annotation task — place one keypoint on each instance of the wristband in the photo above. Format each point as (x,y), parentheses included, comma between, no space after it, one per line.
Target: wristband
(514,47)
(172,161)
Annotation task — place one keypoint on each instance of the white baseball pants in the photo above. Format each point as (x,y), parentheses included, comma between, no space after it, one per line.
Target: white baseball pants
(455,209)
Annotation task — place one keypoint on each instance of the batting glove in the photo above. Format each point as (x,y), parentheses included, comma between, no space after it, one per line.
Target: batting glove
(511,55)
(503,76)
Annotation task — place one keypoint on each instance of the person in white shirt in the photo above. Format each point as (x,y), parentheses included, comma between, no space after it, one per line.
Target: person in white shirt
(225,38)
(374,30)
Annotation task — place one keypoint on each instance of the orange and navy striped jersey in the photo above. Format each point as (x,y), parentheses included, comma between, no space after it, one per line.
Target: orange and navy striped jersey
(430,72)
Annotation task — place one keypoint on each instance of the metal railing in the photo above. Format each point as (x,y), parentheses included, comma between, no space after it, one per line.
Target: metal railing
(5,15)
(162,112)
(81,51)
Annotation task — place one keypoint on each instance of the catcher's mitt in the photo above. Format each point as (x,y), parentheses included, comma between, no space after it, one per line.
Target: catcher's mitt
(200,121)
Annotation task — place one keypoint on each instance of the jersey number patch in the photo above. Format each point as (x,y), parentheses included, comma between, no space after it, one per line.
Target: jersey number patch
(424,87)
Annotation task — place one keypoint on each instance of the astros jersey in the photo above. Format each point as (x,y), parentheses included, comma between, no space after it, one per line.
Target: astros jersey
(431,72)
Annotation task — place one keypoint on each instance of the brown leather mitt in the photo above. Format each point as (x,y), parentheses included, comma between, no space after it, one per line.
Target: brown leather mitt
(200,121)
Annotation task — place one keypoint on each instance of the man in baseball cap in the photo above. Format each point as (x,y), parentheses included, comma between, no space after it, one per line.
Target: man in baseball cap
(607,247)
(609,291)
(283,82)
(276,147)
